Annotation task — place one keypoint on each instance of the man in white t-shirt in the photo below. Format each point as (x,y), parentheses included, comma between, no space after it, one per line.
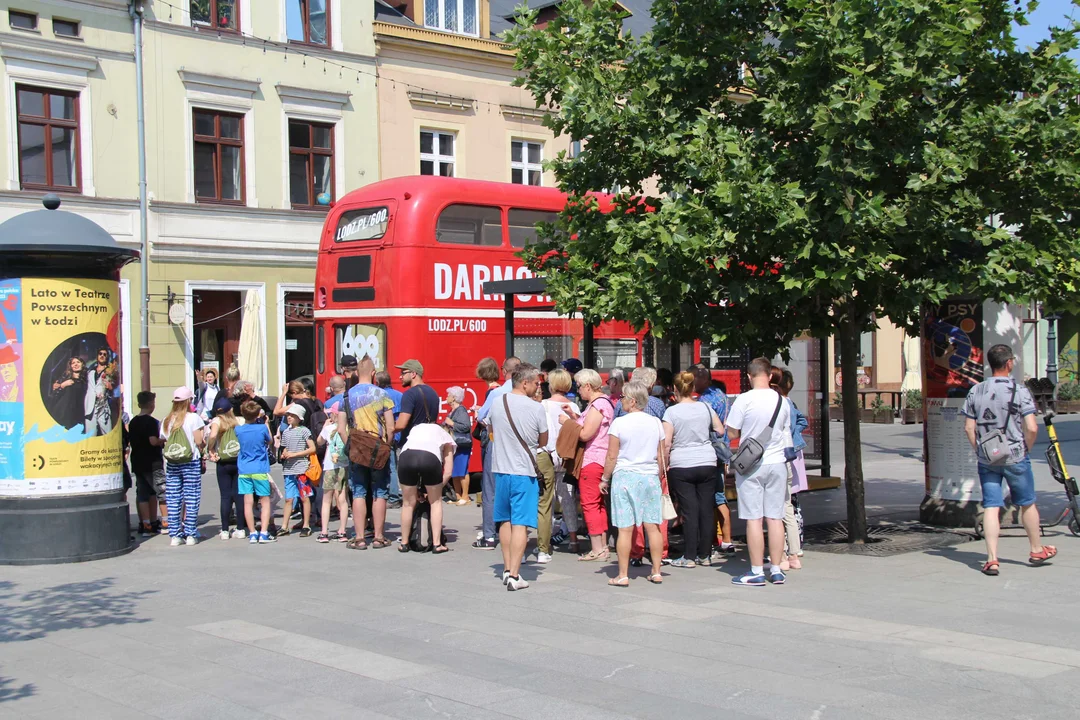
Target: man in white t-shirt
(762,491)
(518,429)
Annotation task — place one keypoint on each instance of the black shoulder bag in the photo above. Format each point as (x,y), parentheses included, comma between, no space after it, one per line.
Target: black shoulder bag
(752,450)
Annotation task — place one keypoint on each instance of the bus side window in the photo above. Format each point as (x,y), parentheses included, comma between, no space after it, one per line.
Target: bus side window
(470,225)
(523,229)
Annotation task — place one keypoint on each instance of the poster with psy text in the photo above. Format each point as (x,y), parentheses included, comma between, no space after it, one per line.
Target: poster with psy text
(60,434)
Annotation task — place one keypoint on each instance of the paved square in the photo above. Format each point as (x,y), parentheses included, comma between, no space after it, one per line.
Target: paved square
(298,629)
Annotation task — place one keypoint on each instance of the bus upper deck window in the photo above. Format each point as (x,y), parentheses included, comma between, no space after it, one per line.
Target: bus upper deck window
(364,224)
(470,225)
(523,225)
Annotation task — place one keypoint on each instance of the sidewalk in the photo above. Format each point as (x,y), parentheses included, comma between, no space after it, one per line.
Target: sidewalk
(297,629)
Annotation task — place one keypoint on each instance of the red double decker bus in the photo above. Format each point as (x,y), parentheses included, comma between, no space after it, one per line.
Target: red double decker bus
(401,272)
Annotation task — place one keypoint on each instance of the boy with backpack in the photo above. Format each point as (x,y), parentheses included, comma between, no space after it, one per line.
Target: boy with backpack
(253,466)
(298,446)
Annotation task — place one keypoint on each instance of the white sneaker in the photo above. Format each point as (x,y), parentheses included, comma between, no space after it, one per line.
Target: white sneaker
(239,534)
(223,535)
(480,535)
(190,540)
(176,542)
(543,558)
(506,576)
(519,584)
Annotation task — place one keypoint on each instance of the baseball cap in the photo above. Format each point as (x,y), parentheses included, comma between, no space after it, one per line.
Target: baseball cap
(572,365)
(222,405)
(182,393)
(412,366)
(348,361)
(297,410)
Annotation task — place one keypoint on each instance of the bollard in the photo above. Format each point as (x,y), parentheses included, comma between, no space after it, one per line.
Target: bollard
(62,495)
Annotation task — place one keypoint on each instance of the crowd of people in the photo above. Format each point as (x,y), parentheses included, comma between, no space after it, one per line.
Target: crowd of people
(577,459)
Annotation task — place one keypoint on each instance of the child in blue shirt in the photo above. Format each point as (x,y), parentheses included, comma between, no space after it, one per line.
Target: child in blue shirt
(253,466)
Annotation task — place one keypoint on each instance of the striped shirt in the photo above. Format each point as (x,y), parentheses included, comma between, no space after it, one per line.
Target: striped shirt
(295,439)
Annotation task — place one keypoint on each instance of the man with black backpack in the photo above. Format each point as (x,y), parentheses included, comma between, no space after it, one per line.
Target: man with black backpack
(1001,426)
(758,416)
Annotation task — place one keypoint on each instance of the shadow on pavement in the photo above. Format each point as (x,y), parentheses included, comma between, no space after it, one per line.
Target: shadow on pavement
(9,690)
(973,560)
(36,613)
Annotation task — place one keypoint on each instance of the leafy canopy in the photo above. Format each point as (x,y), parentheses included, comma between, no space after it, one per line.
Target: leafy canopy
(783,166)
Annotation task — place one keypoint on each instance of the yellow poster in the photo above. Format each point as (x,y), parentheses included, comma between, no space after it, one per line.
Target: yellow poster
(70,425)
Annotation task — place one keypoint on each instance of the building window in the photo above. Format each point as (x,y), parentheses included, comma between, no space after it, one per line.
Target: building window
(219,156)
(436,153)
(526,160)
(470,225)
(311,164)
(65,28)
(219,14)
(48,139)
(308,21)
(22,20)
(456,16)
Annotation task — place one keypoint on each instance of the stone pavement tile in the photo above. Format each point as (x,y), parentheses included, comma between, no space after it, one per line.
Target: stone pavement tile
(982,660)
(534,706)
(317,707)
(453,641)
(462,688)
(342,657)
(671,609)
(202,706)
(412,705)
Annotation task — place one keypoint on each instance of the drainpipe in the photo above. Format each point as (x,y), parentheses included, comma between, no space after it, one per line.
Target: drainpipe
(135,9)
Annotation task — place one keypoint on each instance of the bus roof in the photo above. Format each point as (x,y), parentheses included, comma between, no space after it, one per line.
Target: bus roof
(480,192)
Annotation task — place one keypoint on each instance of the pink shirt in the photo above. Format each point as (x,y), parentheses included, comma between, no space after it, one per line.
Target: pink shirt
(596,449)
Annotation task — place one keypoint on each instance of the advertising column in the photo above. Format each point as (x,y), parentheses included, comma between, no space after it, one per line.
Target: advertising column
(952,336)
(60,393)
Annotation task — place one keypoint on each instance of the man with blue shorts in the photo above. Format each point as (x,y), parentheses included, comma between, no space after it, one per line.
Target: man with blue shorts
(519,431)
(1003,405)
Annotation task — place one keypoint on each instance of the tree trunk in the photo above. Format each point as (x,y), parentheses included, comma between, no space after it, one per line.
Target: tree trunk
(849,337)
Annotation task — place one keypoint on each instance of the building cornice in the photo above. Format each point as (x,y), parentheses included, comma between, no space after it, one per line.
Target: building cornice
(236,211)
(216,83)
(441,101)
(64,47)
(113,6)
(303,96)
(313,51)
(518,112)
(80,63)
(447,42)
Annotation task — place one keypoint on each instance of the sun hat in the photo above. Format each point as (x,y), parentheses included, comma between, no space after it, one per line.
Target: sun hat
(297,410)
(182,393)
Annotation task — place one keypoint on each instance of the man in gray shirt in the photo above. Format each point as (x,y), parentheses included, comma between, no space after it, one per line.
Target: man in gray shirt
(1002,404)
(518,430)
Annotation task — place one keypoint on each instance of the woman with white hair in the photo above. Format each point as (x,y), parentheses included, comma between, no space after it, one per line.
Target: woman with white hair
(459,424)
(594,423)
(632,469)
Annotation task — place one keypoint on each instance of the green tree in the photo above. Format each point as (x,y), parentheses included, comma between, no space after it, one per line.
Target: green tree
(805,166)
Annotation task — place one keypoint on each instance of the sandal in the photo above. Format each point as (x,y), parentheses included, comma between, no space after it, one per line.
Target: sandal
(593,555)
(440,549)
(990,568)
(356,544)
(622,582)
(1043,555)
(379,543)
(403,547)
(656,579)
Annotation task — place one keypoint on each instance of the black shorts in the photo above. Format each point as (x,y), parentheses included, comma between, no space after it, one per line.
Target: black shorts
(419,467)
(149,483)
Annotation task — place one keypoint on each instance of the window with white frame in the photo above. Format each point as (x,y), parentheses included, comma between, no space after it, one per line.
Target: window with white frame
(526,162)
(456,16)
(436,153)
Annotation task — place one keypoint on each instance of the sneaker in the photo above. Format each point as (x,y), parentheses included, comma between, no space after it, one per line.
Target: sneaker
(305,532)
(750,580)
(266,538)
(254,539)
(636,562)
(282,532)
(176,542)
(239,534)
(224,535)
(543,558)
(190,540)
(506,576)
(484,544)
(777,576)
(705,561)
(297,515)
(163,528)
(517,583)
(479,534)
(145,530)
(665,561)
(322,538)
(727,549)
(682,563)
(558,539)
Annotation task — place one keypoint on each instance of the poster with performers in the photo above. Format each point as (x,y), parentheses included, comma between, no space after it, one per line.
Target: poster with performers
(60,430)
(952,337)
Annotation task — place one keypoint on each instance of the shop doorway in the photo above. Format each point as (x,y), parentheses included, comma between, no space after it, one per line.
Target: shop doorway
(216,321)
(299,335)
